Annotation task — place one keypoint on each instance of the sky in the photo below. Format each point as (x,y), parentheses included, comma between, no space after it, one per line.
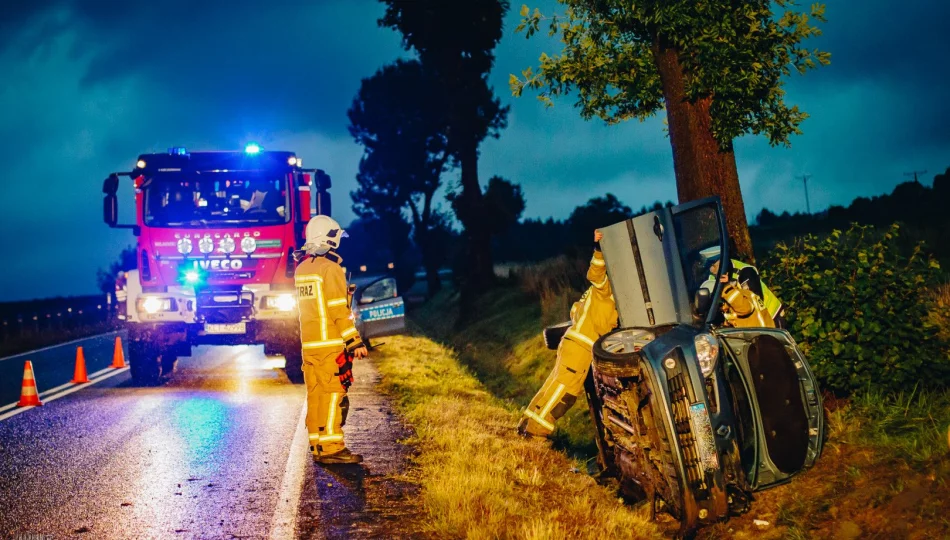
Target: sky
(89,85)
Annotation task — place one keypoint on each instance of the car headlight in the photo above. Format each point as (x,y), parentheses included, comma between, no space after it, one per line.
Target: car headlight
(206,245)
(185,246)
(154,304)
(227,244)
(283,302)
(248,244)
(707,352)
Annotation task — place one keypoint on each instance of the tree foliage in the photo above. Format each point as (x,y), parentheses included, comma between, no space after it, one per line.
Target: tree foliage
(455,42)
(106,277)
(398,117)
(864,314)
(735,52)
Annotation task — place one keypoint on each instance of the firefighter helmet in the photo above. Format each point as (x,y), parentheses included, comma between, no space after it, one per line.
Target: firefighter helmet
(323,234)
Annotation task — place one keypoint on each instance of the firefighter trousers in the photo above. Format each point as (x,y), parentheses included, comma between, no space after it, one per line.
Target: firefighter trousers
(560,390)
(327,404)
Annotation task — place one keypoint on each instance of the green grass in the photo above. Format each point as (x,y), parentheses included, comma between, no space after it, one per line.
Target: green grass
(505,350)
(478,478)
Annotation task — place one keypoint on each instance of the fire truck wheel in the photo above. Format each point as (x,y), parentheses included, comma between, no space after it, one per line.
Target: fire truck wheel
(144,364)
(168,364)
(294,364)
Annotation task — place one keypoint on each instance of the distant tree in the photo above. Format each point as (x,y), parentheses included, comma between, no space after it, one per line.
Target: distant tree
(398,118)
(504,204)
(456,41)
(106,277)
(595,213)
(715,66)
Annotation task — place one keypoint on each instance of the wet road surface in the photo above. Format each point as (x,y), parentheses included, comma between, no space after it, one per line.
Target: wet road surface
(203,456)
(368,500)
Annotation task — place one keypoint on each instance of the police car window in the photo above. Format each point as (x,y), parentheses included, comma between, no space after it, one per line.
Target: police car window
(700,244)
(381,290)
(177,200)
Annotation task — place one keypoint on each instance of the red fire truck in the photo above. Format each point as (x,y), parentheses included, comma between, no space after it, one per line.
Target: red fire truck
(215,234)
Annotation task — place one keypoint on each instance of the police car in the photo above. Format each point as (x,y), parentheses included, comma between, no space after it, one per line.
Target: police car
(378,310)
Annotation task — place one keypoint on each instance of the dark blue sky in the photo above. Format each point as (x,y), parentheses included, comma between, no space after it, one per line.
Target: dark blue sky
(88,85)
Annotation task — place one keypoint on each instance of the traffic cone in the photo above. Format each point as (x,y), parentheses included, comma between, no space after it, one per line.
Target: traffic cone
(29,397)
(80,376)
(118,357)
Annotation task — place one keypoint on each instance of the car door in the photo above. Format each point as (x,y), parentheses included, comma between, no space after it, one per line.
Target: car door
(658,262)
(379,309)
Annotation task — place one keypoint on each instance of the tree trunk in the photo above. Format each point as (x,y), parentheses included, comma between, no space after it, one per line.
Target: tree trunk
(480,273)
(702,166)
(430,259)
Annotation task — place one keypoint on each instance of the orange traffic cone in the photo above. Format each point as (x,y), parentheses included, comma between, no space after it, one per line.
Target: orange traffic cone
(118,356)
(80,376)
(29,397)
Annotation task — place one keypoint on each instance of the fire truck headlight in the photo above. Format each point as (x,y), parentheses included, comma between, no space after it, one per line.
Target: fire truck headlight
(154,304)
(227,244)
(292,160)
(248,244)
(140,164)
(283,302)
(185,246)
(206,245)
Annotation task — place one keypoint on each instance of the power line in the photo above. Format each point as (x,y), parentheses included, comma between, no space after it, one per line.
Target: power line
(805,178)
(914,174)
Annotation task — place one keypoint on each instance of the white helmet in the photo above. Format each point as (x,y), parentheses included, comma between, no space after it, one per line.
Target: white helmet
(323,234)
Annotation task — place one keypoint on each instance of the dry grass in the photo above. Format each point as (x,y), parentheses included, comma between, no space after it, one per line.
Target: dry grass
(478,478)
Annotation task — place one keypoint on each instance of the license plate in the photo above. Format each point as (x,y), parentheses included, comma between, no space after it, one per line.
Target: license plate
(703,433)
(231,328)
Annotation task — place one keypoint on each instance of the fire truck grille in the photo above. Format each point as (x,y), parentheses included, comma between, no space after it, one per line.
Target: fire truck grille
(221,305)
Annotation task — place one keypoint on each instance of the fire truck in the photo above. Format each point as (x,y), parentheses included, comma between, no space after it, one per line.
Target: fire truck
(216,232)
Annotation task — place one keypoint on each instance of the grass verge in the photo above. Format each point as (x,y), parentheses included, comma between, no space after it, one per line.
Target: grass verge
(478,478)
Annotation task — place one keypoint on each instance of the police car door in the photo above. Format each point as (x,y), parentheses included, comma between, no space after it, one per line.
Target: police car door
(380,311)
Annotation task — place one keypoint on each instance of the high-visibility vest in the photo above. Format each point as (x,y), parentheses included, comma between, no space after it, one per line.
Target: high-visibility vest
(595,313)
(326,323)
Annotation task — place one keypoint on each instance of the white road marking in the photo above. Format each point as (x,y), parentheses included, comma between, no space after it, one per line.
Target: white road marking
(34,351)
(52,391)
(75,388)
(284,521)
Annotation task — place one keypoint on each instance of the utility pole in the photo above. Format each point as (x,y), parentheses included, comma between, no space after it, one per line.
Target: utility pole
(805,178)
(914,174)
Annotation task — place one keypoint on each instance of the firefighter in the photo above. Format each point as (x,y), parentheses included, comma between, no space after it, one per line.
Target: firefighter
(327,336)
(744,274)
(592,316)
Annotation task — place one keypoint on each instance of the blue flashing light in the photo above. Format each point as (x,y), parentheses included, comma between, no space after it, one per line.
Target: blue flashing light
(192,276)
(252,148)
(178,151)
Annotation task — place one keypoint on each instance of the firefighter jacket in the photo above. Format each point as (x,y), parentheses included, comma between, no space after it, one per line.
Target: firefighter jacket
(595,313)
(326,324)
(772,304)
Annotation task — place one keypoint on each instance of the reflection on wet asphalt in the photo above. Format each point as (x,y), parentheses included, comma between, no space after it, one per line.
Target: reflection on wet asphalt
(364,500)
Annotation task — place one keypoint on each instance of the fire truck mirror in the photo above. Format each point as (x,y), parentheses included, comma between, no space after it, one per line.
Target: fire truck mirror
(323,203)
(111,184)
(322,180)
(110,210)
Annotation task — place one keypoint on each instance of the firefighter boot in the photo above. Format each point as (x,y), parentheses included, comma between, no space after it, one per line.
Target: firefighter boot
(343,457)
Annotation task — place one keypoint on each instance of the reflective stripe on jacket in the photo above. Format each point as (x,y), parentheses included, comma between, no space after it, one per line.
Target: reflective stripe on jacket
(326,322)
(595,313)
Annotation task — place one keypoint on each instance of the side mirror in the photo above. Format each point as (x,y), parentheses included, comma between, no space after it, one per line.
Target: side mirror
(110,186)
(110,209)
(321,181)
(351,289)
(702,301)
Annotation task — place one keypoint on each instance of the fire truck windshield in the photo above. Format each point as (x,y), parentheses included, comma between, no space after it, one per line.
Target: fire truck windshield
(210,199)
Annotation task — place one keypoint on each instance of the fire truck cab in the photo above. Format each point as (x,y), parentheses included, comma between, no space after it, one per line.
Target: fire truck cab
(216,232)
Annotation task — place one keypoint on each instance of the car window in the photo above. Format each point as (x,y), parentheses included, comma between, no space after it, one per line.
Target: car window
(382,289)
(699,238)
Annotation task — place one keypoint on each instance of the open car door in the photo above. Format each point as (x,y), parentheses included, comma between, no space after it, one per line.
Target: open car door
(658,263)
(379,310)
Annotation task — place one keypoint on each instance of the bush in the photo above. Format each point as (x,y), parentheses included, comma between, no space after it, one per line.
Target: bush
(864,313)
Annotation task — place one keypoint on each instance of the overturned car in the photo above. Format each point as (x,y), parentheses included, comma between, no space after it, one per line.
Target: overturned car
(694,410)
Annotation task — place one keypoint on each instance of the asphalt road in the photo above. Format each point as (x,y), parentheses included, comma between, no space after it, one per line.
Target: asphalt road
(206,455)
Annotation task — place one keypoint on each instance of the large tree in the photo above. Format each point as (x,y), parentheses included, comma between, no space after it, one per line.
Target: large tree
(398,118)
(717,66)
(456,41)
